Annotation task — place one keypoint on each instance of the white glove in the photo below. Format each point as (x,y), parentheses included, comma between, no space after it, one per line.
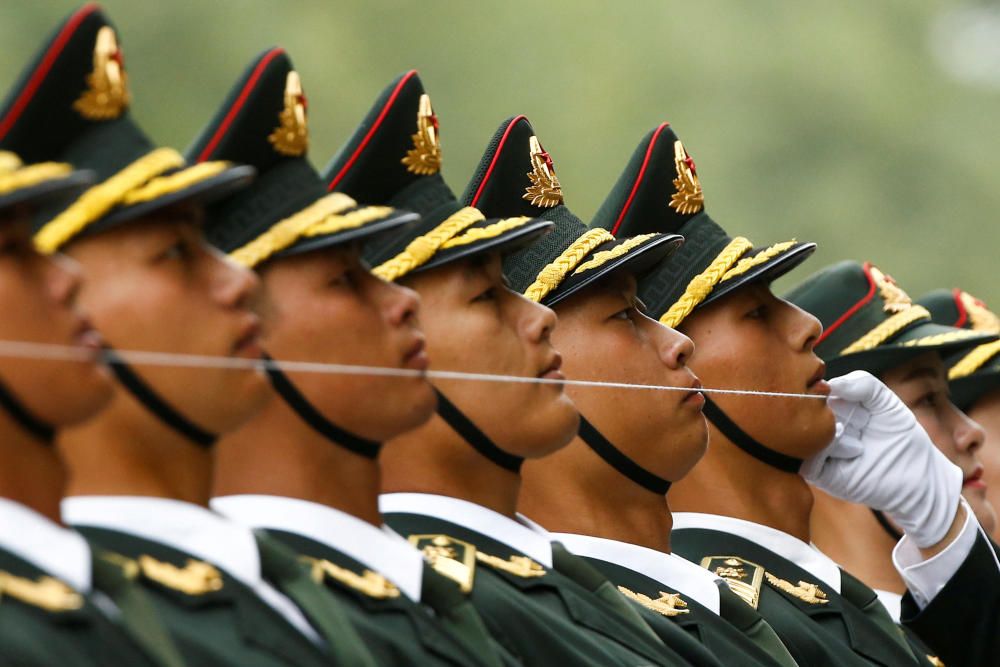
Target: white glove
(881,457)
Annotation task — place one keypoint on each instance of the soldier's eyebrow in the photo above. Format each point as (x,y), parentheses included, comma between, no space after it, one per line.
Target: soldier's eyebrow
(922,373)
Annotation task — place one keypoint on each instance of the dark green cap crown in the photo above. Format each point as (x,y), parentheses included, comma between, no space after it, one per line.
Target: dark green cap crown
(659,191)
(71,105)
(516,176)
(971,373)
(869,322)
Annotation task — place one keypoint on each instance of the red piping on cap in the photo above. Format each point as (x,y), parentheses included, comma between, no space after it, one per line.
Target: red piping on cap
(238,104)
(638,179)
(853,309)
(963,315)
(496,156)
(378,122)
(44,66)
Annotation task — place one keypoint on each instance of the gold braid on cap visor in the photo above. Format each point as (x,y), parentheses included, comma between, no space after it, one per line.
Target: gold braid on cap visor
(421,249)
(887,329)
(135,183)
(701,285)
(15,176)
(552,275)
(974,360)
(321,214)
(601,258)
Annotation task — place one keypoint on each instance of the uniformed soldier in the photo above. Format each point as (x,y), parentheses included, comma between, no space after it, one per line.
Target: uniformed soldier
(745,506)
(910,364)
(630,446)
(974,381)
(140,471)
(305,469)
(59,602)
(452,484)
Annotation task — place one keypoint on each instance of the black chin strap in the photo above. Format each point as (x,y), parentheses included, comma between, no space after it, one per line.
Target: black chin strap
(617,460)
(740,438)
(28,421)
(311,416)
(889,529)
(472,435)
(149,398)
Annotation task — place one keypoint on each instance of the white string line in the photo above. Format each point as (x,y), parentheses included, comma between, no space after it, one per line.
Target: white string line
(48,351)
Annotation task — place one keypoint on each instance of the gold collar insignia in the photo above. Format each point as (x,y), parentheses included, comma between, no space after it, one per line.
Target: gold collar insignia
(519,566)
(894,298)
(47,593)
(545,190)
(934,660)
(291,137)
(424,158)
(688,197)
(743,577)
(195,578)
(370,583)
(107,95)
(668,604)
(805,591)
(452,558)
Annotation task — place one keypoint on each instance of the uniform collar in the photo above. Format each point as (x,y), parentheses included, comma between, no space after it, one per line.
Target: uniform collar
(532,541)
(668,569)
(803,554)
(185,526)
(58,551)
(379,549)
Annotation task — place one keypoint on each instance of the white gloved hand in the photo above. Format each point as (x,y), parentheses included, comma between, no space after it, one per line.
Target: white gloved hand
(881,457)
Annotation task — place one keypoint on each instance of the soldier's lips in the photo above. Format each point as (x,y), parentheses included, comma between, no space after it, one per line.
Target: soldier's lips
(87,337)
(416,357)
(975,479)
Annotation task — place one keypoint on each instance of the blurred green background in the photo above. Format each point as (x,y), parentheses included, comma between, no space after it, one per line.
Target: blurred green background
(869,127)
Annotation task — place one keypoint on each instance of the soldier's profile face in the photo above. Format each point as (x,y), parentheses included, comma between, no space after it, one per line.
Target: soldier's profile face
(38,297)
(751,339)
(474,323)
(986,413)
(155,285)
(326,306)
(922,383)
(603,335)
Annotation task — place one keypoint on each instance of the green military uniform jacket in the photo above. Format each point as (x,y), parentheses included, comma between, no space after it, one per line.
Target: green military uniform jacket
(214,618)
(397,630)
(538,614)
(736,635)
(817,625)
(53,625)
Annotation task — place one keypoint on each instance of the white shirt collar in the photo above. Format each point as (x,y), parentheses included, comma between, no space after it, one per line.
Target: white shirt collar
(185,526)
(379,549)
(893,603)
(668,569)
(515,534)
(803,554)
(59,551)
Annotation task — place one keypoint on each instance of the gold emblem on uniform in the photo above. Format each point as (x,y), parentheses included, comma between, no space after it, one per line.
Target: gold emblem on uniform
(668,604)
(743,577)
(195,578)
(805,591)
(452,558)
(47,593)
(519,566)
(980,317)
(894,298)
(687,197)
(370,583)
(424,158)
(107,95)
(291,137)
(545,190)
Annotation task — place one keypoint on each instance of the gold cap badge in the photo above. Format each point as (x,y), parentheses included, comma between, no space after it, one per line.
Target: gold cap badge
(107,95)
(545,190)
(688,197)
(896,300)
(424,158)
(980,317)
(291,137)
